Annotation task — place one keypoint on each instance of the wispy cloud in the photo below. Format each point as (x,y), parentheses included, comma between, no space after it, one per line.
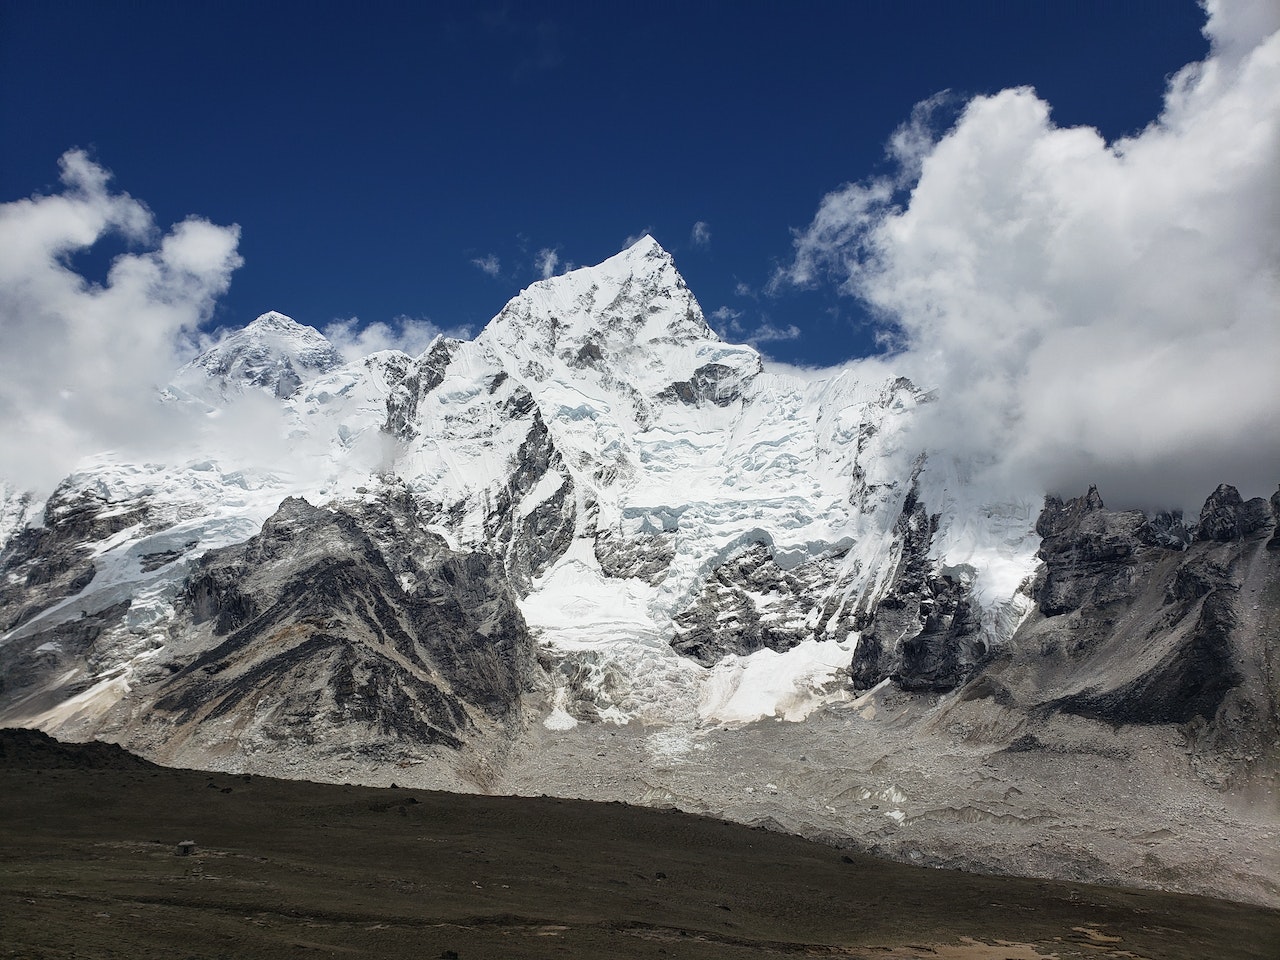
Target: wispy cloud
(728,323)
(82,362)
(1089,312)
(355,339)
(700,235)
(546,262)
(725,315)
(766,332)
(489,264)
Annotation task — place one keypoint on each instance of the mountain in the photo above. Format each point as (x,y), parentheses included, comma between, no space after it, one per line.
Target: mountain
(273,354)
(597,551)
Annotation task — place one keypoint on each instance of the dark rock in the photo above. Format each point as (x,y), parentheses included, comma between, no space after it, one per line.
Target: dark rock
(1089,553)
(589,354)
(923,633)
(1190,681)
(34,750)
(533,539)
(1166,529)
(1025,744)
(1274,542)
(41,566)
(1138,624)
(1196,578)
(987,688)
(725,618)
(1226,516)
(1060,516)
(710,383)
(645,557)
(411,381)
(355,618)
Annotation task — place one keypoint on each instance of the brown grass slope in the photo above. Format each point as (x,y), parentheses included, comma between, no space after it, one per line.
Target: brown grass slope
(294,869)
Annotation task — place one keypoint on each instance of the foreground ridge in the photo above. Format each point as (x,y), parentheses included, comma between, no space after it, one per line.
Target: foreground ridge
(281,865)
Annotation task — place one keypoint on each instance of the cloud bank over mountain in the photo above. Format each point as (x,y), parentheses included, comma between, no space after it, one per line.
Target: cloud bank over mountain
(1087,311)
(82,361)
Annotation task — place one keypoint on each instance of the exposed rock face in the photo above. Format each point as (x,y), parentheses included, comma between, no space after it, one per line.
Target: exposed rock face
(411,380)
(354,620)
(1088,551)
(923,634)
(534,537)
(1136,627)
(697,544)
(748,604)
(43,568)
(1226,516)
(346,631)
(711,383)
(645,557)
(274,354)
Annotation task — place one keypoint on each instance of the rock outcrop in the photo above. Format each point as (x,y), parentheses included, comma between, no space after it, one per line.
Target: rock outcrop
(1137,626)
(353,620)
(923,634)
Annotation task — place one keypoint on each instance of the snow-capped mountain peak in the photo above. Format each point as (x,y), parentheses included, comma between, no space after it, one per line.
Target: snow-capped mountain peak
(635,297)
(630,320)
(274,353)
(274,322)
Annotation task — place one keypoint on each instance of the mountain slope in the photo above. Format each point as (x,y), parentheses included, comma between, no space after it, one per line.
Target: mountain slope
(599,551)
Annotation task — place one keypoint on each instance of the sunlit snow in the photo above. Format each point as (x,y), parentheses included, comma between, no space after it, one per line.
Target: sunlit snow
(660,429)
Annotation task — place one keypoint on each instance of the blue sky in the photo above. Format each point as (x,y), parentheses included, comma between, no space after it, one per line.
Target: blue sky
(373,154)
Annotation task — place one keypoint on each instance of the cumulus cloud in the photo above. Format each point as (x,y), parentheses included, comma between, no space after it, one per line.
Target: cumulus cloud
(547,261)
(354,339)
(490,265)
(1088,312)
(82,361)
(700,235)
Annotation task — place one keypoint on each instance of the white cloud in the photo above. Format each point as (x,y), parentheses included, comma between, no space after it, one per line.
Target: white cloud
(354,339)
(915,139)
(700,235)
(490,265)
(547,261)
(766,332)
(81,362)
(1088,312)
(727,322)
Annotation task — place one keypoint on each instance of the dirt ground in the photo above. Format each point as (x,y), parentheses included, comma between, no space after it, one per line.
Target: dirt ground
(89,868)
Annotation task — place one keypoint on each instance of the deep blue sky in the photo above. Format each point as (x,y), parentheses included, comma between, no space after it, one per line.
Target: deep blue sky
(371,151)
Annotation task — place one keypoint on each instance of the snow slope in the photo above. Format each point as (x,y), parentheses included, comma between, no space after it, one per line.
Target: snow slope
(619,455)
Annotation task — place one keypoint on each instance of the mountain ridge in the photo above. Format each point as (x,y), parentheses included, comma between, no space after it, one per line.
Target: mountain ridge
(479,567)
